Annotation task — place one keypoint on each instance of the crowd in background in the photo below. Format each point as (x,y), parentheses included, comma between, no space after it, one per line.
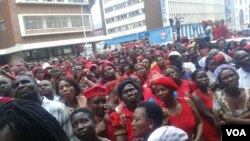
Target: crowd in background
(180,91)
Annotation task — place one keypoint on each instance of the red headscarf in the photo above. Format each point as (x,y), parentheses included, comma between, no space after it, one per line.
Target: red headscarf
(36,69)
(94,91)
(105,64)
(162,80)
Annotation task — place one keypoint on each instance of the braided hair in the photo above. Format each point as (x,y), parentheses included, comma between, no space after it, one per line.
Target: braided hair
(28,121)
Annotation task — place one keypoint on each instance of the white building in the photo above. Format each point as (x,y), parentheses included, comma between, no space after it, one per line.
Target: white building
(123,17)
(192,11)
(237,13)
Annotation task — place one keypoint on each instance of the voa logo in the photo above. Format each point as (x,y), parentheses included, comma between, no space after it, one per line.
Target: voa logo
(236,132)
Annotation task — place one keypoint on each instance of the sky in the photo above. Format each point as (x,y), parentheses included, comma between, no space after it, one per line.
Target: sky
(96,15)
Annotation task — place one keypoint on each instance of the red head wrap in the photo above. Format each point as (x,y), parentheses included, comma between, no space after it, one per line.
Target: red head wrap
(94,91)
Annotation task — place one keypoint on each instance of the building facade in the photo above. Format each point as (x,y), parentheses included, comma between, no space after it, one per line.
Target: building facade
(136,17)
(192,11)
(126,17)
(35,29)
(237,13)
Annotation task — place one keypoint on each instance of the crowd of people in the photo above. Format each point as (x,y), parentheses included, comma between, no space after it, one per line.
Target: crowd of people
(179,92)
(215,30)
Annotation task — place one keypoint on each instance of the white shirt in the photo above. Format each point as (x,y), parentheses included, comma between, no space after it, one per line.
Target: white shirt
(244,81)
(61,113)
(168,133)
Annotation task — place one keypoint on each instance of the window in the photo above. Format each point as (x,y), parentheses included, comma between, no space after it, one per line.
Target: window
(53,22)
(33,22)
(76,21)
(86,21)
(36,54)
(77,1)
(67,50)
(109,9)
(2,26)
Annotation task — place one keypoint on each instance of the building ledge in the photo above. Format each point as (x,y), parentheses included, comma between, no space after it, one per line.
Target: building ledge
(52,2)
(50,44)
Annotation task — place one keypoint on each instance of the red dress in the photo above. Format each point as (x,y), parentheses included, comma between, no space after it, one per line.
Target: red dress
(186,88)
(184,120)
(210,132)
(123,120)
(109,133)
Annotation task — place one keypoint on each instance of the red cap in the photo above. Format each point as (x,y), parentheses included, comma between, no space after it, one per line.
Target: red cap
(247,47)
(219,57)
(36,69)
(166,81)
(105,64)
(94,91)
(5,99)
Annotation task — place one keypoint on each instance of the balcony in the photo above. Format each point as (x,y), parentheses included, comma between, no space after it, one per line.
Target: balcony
(54,2)
(34,25)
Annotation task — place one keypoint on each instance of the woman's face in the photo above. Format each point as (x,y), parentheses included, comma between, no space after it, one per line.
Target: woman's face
(141,70)
(145,62)
(96,104)
(66,90)
(130,94)
(160,61)
(172,73)
(108,72)
(83,126)
(162,92)
(212,64)
(201,79)
(192,51)
(39,74)
(141,123)
(221,45)
(229,79)
(232,46)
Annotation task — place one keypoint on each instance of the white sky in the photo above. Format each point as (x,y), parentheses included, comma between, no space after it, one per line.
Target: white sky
(96,15)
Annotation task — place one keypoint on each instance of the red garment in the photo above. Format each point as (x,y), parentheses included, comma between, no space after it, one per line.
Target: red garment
(186,88)
(184,120)
(149,96)
(109,133)
(69,74)
(156,68)
(210,134)
(225,32)
(218,32)
(129,119)
(122,119)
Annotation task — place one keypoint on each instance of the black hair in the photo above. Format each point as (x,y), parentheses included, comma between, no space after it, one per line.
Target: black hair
(126,81)
(72,82)
(29,121)
(234,43)
(30,76)
(195,73)
(130,65)
(242,42)
(175,68)
(84,110)
(153,112)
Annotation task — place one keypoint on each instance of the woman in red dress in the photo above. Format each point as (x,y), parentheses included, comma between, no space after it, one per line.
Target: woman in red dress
(181,111)
(203,100)
(185,87)
(130,94)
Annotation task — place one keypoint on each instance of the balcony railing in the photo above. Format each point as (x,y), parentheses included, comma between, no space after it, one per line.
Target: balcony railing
(36,32)
(54,2)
